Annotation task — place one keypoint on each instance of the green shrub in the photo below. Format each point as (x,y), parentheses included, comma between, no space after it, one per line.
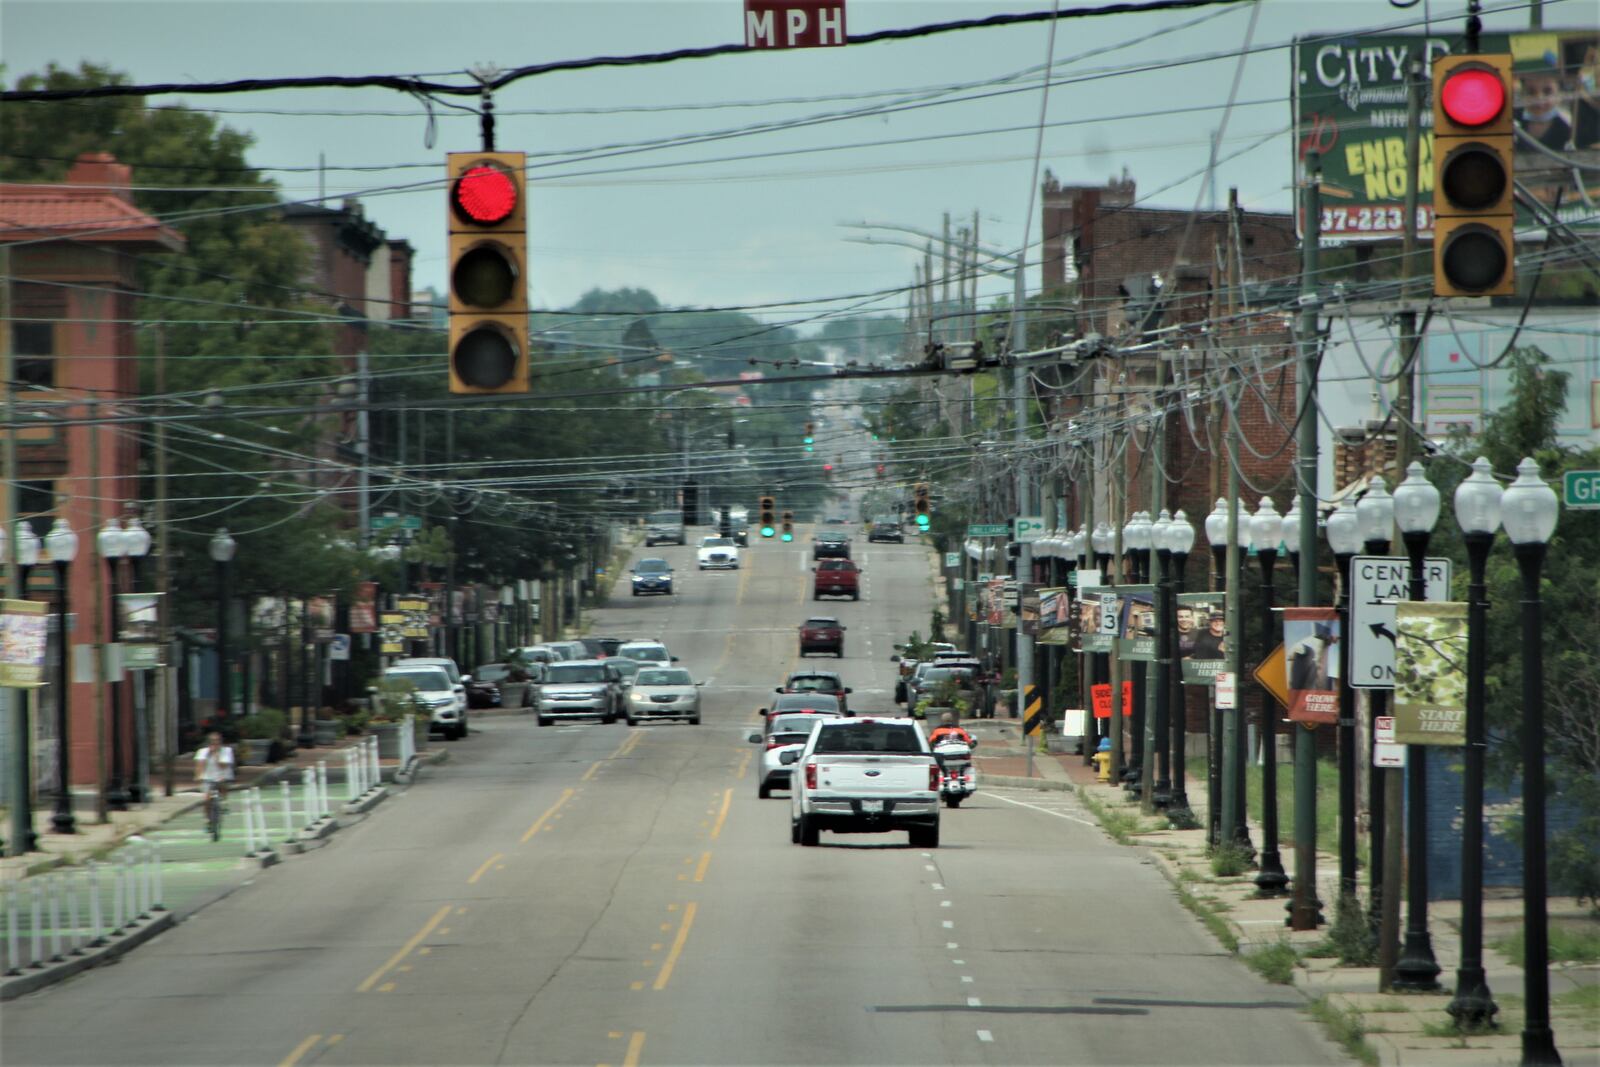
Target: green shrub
(263,725)
(1229,860)
(1351,935)
(1275,963)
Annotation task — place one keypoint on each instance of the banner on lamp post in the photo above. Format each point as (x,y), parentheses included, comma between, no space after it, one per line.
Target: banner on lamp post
(1430,673)
(1136,628)
(364,609)
(1310,640)
(24,626)
(392,636)
(1202,637)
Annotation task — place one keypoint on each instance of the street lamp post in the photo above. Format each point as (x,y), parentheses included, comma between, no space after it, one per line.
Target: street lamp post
(1529,512)
(1216,526)
(1103,541)
(62,544)
(1290,533)
(136,545)
(222,549)
(1265,530)
(1180,539)
(1136,539)
(1416,970)
(24,838)
(1344,537)
(1478,515)
(1161,792)
(109,542)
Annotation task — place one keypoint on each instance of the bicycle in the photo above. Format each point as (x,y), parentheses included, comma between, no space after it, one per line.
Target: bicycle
(213,806)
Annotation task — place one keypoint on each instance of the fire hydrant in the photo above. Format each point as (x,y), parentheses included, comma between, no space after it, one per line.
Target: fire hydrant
(1102,759)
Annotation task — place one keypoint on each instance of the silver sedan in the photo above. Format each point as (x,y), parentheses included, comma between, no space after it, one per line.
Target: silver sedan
(663,693)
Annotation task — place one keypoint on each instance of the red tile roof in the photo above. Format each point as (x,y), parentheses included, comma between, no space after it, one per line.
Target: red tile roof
(64,213)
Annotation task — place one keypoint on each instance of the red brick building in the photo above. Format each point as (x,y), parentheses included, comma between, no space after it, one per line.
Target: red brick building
(75,249)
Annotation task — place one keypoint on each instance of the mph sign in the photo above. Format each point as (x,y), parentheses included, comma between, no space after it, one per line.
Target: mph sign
(793,23)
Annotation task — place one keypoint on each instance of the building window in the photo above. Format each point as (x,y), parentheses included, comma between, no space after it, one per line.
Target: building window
(34,348)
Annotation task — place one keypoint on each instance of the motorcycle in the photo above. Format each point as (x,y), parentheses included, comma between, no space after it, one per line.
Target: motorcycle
(956,780)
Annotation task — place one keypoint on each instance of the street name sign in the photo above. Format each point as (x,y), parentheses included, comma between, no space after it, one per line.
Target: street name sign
(1028,528)
(1377,583)
(952,560)
(988,529)
(794,23)
(1581,489)
(396,522)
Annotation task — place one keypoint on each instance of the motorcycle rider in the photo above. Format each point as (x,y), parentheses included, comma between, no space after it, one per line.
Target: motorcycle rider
(947,730)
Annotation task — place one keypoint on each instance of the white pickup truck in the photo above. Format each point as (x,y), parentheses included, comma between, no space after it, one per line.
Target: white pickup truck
(864,776)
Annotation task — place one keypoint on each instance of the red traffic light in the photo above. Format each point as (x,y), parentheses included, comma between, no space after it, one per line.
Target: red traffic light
(485,195)
(1472,96)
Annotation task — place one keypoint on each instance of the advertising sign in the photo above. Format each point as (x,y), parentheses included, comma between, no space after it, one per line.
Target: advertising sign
(1137,625)
(414,613)
(321,618)
(24,625)
(1430,674)
(1092,611)
(139,629)
(1055,616)
(1350,105)
(392,634)
(364,609)
(1028,609)
(1310,641)
(1202,636)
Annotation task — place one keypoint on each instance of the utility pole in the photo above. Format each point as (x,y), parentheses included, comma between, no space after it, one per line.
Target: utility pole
(1303,913)
(14,710)
(1018,334)
(165,689)
(1237,831)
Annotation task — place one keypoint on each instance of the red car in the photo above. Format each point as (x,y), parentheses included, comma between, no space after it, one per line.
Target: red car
(821,634)
(836,577)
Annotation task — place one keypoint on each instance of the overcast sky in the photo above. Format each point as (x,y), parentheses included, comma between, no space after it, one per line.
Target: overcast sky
(693,223)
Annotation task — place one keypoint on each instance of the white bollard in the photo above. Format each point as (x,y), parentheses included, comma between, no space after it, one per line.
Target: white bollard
(288,811)
(36,946)
(74,883)
(350,784)
(249,823)
(308,787)
(159,903)
(95,926)
(130,886)
(53,887)
(377,769)
(13,940)
(146,875)
(323,806)
(263,840)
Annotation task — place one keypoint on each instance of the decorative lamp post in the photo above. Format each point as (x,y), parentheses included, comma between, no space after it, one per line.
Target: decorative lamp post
(1240,834)
(1416,970)
(1136,541)
(1166,662)
(111,546)
(62,544)
(1266,528)
(1104,542)
(1180,539)
(1217,537)
(1290,534)
(1344,537)
(136,546)
(1529,511)
(1478,515)
(222,549)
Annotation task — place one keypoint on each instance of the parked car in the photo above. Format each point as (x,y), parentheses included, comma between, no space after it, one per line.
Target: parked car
(579,689)
(830,544)
(717,553)
(886,528)
(663,693)
(647,652)
(443,663)
(817,682)
(444,701)
(962,678)
(836,577)
(484,689)
(822,634)
(784,733)
(570,650)
(652,575)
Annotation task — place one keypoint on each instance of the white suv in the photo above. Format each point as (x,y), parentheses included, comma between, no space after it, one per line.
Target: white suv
(444,700)
(653,653)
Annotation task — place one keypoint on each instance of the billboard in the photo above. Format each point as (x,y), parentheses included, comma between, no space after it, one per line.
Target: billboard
(1350,105)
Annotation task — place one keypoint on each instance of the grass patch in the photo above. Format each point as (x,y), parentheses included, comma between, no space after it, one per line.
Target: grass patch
(1585,1000)
(1352,936)
(1212,919)
(1443,1030)
(1229,860)
(1119,824)
(1345,1028)
(1275,963)
(1188,874)
(1327,804)
(1567,945)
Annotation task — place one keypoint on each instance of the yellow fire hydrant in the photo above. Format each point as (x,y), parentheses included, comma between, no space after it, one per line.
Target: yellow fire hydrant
(1103,764)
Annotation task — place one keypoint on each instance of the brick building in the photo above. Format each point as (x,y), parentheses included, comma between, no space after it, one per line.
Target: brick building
(75,249)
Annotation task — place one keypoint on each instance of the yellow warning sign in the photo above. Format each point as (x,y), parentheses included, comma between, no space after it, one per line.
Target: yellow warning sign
(1273,675)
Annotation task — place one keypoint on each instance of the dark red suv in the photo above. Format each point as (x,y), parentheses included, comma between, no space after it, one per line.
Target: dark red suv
(821,634)
(836,577)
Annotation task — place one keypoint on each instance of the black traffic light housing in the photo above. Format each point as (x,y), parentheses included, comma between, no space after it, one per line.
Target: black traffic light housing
(1474,244)
(788,525)
(769,517)
(488,255)
(691,503)
(920,506)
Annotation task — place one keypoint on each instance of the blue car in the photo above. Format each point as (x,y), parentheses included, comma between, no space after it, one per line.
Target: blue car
(652,576)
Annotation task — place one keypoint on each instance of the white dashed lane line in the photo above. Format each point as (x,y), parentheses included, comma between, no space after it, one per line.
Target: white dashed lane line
(1045,811)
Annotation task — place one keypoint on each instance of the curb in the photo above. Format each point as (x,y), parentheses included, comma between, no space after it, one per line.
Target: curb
(366,801)
(25,983)
(1018,782)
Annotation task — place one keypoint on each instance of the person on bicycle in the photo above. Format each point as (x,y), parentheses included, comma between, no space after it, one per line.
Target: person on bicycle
(213,765)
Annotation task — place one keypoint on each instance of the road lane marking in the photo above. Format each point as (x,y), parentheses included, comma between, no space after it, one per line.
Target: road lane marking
(405,949)
(387,987)
(967,978)
(948,925)
(951,944)
(744,765)
(974,1002)
(722,816)
(566,795)
(635,1046)
(937,885)
(1047,811)
(588,774)
(481,871)
(944,903)
(700,871)
(299,1050)
(984,1035)
(677,946)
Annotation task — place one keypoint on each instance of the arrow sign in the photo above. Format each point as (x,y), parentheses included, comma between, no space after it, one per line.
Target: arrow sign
(1376,584)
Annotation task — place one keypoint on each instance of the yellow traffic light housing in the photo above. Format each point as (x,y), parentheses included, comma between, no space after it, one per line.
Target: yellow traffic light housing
(1474,241)
(488,253)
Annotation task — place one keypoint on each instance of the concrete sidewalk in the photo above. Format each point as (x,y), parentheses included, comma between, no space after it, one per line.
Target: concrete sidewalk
(1388,1028)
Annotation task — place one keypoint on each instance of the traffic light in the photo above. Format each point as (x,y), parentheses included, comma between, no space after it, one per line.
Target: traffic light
(788,526)
(769,518)
(827,468)
(1474,246)
(488,249)
(920,506)
(691,503)
(810,439)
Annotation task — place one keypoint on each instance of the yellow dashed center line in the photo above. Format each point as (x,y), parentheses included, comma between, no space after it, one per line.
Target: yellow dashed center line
(405,949)
(635,1046)
(588,774)
(727,799)
(676,950)
(300,1050)
(566,795)
(744,765)
(481,871)
(700,871)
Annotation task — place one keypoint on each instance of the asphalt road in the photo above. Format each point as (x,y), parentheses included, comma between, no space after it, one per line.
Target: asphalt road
(593,894)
